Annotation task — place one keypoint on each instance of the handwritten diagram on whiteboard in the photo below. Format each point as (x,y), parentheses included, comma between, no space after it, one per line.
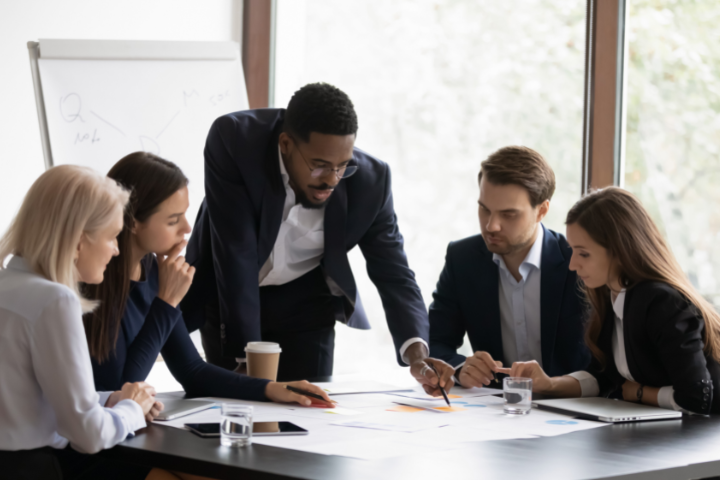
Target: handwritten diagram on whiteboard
(100,111)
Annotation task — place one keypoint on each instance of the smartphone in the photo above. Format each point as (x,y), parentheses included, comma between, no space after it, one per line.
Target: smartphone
(260,429)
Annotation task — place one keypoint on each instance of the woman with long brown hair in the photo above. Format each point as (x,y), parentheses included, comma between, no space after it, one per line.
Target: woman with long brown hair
(138,317)
(653,337)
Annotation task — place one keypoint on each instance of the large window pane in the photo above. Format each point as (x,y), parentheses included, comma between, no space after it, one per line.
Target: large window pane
(673,128)
(438,86)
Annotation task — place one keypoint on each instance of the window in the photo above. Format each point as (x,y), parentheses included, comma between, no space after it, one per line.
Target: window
(673,128)
(438,86)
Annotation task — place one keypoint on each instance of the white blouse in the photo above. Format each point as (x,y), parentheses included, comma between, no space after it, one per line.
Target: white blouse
(48,396)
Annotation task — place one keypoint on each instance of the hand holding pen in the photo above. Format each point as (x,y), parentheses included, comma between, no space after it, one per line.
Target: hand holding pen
(315,399)
(288,393)
(433,375)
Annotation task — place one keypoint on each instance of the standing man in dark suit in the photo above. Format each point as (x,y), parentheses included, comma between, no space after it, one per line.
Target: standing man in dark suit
(287,195)
(510,288)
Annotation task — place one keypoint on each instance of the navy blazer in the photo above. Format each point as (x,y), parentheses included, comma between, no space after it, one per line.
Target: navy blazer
(467,299)
(239,220)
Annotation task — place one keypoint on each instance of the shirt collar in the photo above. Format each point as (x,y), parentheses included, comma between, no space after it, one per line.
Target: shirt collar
(532,259)
(20,264)
(619,304)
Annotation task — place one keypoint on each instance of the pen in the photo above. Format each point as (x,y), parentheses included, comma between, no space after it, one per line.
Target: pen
(441,389)
(495,378)
(308,394)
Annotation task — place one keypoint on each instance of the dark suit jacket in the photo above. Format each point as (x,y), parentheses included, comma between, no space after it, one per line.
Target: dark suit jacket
(663,345)
(239,220)
(467,299)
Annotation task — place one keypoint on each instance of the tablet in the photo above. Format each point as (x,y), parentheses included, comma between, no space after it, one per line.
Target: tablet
(175,408)
(260,429)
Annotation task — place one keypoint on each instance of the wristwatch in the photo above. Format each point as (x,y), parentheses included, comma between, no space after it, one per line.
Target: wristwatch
(639,394)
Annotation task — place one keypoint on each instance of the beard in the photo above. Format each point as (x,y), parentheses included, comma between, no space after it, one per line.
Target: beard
(305,201)
(509,248)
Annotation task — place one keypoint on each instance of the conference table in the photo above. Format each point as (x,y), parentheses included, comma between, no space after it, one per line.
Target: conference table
(687,448)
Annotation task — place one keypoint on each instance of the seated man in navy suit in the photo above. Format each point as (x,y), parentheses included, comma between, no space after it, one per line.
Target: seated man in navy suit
(287,195)
(510,288)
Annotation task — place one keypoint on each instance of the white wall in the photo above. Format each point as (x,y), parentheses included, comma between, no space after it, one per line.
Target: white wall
(21,159)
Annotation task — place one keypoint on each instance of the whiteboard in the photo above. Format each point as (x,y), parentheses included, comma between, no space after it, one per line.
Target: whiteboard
(100,109)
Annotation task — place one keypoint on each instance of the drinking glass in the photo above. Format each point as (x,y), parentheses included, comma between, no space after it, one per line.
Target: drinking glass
(517,392)
(236,425)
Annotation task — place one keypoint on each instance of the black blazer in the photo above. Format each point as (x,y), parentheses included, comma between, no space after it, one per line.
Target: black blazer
(467,299)
(239,220)
(663,345)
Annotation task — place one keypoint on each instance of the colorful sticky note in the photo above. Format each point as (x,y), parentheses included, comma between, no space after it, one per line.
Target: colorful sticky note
(404,409)
(450,409)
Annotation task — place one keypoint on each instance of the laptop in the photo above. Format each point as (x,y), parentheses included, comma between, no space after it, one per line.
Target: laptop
(606,409)
(176,408)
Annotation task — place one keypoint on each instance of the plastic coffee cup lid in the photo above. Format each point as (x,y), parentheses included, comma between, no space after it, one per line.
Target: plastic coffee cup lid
(263,347)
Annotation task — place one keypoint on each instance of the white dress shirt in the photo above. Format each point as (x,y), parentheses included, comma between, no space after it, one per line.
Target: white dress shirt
(48,396)
(300,243)
(589,384)
(520,306)
(299,246)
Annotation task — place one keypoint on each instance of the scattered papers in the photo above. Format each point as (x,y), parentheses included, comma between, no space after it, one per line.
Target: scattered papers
(457,435)
(404,409)
(346,388)
(450,409)
(474,392)
(372,449)
(455,393)
(423,396)
(343,411)
(380,427)
(432,408)
(393,424)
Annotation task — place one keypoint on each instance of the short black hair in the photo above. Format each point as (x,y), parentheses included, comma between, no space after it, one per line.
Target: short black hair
(321,108)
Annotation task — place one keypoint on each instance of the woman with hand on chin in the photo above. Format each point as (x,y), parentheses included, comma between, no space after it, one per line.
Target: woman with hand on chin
(654,338)
(139,316)
(65,232)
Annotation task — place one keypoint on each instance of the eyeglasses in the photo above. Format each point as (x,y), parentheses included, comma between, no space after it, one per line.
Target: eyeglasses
(340,172)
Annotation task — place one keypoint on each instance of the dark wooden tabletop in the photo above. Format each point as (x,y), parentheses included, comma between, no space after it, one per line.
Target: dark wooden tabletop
(663,450)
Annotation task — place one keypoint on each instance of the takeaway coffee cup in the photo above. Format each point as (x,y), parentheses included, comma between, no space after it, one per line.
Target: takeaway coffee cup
(263,359)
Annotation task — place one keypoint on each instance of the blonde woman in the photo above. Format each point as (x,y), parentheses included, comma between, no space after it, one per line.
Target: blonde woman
(654,338)
(64,233)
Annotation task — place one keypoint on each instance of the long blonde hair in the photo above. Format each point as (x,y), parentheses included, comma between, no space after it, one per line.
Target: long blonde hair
(63,203)
(617,221)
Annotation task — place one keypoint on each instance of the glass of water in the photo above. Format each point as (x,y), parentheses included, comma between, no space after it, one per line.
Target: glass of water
(236,425)
(517,392)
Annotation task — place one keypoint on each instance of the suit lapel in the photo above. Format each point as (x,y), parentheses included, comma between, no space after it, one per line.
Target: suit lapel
(273,200)
(553,273)
(335,258)
(485,289)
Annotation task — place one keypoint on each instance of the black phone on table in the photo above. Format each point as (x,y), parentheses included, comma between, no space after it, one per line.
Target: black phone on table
(260,429)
